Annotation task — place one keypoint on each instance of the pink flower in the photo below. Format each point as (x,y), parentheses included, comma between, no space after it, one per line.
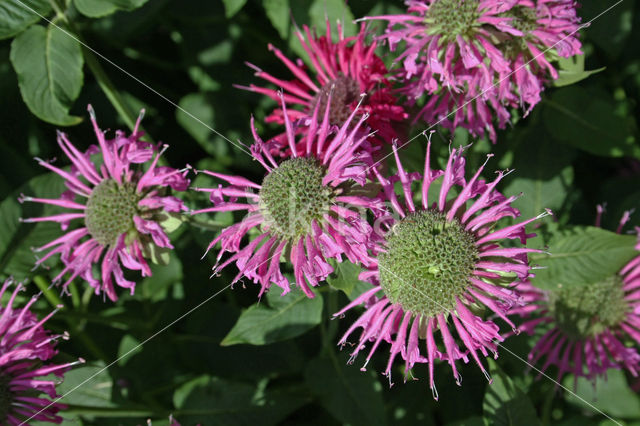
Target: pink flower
(586,327)
(345,69)
(474,56)
(122,207)
(439,266)
(25,346)
(302,209)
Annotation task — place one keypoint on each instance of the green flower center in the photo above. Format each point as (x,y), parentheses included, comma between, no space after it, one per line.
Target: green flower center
(428,263)
(6,398)
(523,18)
(344,91)
(110,211)
(452,18)
(584,311)
(292,196)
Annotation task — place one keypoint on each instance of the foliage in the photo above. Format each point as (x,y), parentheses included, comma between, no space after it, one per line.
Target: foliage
(184,343)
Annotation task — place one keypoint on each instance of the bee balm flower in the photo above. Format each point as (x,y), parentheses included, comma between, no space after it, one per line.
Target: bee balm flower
(121,205)
(25,348)
(302,206)
(438,267)
(478,58)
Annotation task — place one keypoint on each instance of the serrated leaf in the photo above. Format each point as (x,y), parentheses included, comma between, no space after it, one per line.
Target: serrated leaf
(48,63)
(588,120)
(278,12)
(345,277)
(611,395)
(99,8)
(505,404)
(16,16)
(582,255)
(213,401)
(231,7)
(286,317)
(352,396)
(572,71)
(91,386)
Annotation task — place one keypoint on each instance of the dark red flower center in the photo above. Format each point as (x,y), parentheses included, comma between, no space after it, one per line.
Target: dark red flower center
(344,91)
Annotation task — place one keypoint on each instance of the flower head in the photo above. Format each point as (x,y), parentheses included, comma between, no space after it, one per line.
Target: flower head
(25,346)
(588,326)
(344,70)
(479,56)
(302,208)
(439,265)
(121,205)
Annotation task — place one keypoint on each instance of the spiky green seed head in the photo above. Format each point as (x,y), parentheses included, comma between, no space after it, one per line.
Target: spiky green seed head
(428,263)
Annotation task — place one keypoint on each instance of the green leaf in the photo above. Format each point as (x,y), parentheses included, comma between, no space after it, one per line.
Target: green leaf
(278,12)
(88,385)
(350,395)
(333,10)
(345,277)
(504,403)
(543,173)
(17,239)
(286,317)
(48,63)
(572,71)
(611,395)
(128,349)
(582,255)
(588,120)
(200,107)
(213,401)
(16,16)
(155,287)
(231,7)
(99,8)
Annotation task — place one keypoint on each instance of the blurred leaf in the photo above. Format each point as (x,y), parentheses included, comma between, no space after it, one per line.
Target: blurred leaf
(332,10)
(231,7)
(48,63)
(286,317)
(471,421)
(88,385)
(99,8)
(352,396)
(213,401)
(345,277)
(198,105)
(572,71)
(504,403)
(15,17)
(17,239)
(128,349)
(611,29)
(582,255)
(278,12)
(155,287)
(611,395)
(587,120)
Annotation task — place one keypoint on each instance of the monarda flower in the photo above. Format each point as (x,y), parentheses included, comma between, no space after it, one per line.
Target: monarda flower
(344,69)
(301,210)
(121,205)
(25,346)
(588,329)
(478,58)
(439,267)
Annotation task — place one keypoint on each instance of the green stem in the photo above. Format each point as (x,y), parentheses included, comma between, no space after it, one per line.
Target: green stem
(47,290)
